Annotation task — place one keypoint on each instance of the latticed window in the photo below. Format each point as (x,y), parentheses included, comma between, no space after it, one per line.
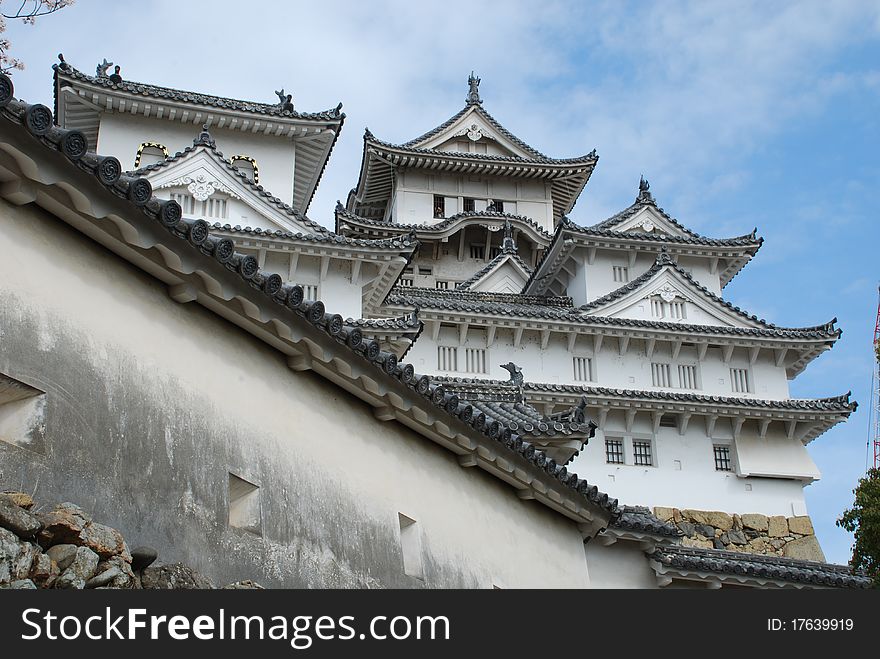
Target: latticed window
(657,308)
(642,453)
(186,201)
(687,376)
(660,375)
(621,273)
(406,281)
(442,285)
(722,458)
(614,451)
(439,206)
(447,358)
(478,251)
(499,206)
(469,206)
(494,251)
(216,208)
(677,310)
(740,381)
(583,369)
(475,360)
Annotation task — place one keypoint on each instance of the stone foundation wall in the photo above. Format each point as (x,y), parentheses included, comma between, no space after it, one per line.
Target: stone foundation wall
(751,533)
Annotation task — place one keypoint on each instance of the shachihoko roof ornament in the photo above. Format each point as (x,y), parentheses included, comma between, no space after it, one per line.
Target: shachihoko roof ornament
(473,97)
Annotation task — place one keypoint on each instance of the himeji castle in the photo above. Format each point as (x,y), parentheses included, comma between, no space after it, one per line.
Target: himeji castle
(456,386)
(626,318)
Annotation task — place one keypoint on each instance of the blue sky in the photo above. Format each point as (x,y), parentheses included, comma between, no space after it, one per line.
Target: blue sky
(741,114)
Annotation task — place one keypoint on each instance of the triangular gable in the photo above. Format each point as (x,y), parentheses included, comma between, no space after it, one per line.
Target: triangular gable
(668,294)
(648,219)
(471,125)
(506,273)
(201,172)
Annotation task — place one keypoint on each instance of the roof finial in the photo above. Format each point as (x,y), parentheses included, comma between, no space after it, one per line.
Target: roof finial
(101,69)
(644,190)
(285,103)
(516,378)
(509,245)
(473,96)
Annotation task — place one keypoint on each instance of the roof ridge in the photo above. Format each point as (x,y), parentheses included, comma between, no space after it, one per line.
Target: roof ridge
(197,98)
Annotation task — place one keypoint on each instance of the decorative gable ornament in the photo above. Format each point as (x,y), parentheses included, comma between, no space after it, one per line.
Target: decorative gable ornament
(667,293)
(647,226)
(473,132)
(200,187)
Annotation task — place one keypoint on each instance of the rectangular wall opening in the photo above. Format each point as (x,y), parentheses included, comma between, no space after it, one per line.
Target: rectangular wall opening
(22,414)
(411,545)
(245,508)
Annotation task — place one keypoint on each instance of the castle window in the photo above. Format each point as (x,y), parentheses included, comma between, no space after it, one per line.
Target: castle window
(411,546)
(583,369)
(447,358)
(614,451)
(186,201)
(740,381)
(677,310)
(722,458)
(494,251)
(406,281)
(469,206)
(660,375)
(150,153)
(247,166)
(442,285)
(215,208)
(621,273)
(439,206)
(499,206)
(245,511)
(642,455)
(687,376)
(426,270)
(310,291)
(657,308)
(478,251)
(475,360)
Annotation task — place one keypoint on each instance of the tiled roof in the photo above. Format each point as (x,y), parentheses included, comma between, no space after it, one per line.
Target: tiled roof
(491,265)
(840,404)
(400,243)
(590,158)
(406,323)
(758,566)
(37,121)
(561,309)
(641,519)
(440,226)
(178,95)
(748,240)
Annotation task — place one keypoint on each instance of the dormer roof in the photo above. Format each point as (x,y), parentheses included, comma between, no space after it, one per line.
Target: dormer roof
(81,99)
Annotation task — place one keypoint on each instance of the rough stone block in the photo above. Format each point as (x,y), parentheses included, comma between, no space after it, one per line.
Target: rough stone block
(20,499)
(801,525)
(719,520)
(666,514)
(698,542)
(174,576)
(737,537)
(695,516)
(63,555)
(805,549)
(755,522)
(103,540)
(44,571)
(17,519)
(63,525)
(777,526)
(83,568)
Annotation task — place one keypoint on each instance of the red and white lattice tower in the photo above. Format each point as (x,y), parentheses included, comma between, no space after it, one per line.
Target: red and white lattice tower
(875,393)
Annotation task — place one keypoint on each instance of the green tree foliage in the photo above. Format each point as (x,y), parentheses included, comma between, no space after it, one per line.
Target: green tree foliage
(863,520)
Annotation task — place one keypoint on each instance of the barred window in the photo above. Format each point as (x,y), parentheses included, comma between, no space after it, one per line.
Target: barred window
(469,206)
(722,458)
(447,358)
(186,201)
(660,375)
(494,251)
(642,453)
(621,273)
(406,281)
(583,369)
(687,376)
(475,360)
(439,206)
(740,381)
(677,310)
(614,451)
(310,291)
(657,308)
(478,251)
(442,285)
